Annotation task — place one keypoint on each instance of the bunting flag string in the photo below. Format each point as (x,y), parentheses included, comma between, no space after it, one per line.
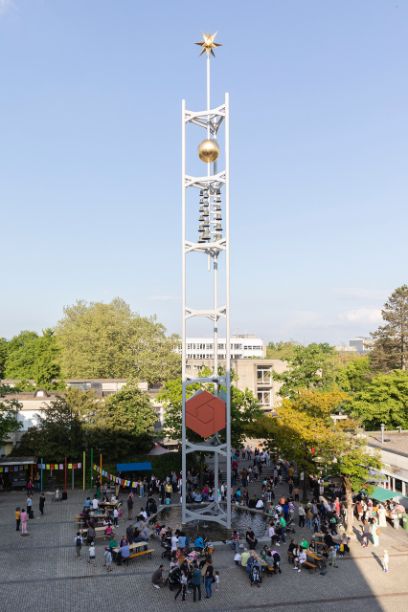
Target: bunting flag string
(120,481)
(59,466)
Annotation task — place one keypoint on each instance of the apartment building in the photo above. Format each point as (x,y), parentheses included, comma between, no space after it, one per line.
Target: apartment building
(241,347)
(257,375)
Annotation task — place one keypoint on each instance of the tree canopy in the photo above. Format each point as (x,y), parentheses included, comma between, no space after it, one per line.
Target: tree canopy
(391,339)
(310,367)
(383,400)
(281,350)
(306,432)
(9,410)
(118,426)
(100,340)
(30,357)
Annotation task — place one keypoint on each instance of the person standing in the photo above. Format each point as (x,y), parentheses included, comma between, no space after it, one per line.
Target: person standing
(24,521)
(29,487)
(130,505)
(108,559)
(41,503)
(18,518)
(30,507)
(302,515)
(182,586)
(385,561)
(196,582)
(115,516)
(78,543)
(92,554)
(375,533)
(208,580)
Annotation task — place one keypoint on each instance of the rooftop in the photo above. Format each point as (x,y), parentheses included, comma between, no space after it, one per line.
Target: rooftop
(394,441)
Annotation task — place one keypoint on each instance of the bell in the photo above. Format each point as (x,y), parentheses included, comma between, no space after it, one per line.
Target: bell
(208,150)
(206,224)
(218,236)
(206,237)
(218,216)
(218,227)
(201,218)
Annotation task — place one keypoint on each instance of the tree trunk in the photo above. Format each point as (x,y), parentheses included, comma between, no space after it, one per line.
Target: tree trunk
(304,492)
(349,506)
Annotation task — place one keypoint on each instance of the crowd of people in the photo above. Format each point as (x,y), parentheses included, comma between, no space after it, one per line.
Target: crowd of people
(191,565)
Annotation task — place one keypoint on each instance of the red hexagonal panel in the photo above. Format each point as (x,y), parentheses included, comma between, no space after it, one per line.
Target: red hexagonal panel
(205,414)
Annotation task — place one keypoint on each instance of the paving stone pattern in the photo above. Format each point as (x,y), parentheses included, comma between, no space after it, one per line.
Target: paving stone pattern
(41,573)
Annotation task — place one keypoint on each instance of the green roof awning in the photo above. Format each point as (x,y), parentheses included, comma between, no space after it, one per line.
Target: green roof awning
(382,495)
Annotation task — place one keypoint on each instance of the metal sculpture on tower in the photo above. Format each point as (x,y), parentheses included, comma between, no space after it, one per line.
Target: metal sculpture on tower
(207,413)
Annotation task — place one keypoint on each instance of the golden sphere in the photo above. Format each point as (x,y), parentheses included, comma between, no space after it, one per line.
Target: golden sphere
(208,151)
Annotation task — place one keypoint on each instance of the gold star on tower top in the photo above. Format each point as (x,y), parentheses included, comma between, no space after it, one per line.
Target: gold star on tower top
(208,44)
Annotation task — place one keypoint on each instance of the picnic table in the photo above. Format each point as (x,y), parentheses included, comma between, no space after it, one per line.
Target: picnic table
(314,561)
(97,521)
(137,549)
(111,505)
(99,531)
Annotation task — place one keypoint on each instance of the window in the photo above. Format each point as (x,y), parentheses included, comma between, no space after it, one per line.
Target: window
(264,375)
(264,398)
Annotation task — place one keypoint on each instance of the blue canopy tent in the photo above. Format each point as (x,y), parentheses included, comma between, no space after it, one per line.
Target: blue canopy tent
(143,466)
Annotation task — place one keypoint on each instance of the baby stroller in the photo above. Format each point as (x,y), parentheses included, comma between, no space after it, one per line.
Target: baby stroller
(174,578)
(255,575)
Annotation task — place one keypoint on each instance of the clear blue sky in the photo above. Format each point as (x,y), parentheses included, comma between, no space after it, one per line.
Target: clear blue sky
(90,95)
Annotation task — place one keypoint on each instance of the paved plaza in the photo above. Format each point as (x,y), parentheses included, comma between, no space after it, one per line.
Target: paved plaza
(40,572)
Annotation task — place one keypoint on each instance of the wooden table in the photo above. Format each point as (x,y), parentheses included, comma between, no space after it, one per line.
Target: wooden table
(132,547)
(137,549)
(99,531)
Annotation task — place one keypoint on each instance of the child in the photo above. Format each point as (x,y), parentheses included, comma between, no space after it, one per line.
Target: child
(385,561)
(217,580)
(92,554)
(108,559)
(24,521)
(78,543)
(18,518)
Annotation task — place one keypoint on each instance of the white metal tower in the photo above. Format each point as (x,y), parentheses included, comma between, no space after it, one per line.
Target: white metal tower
(212,206)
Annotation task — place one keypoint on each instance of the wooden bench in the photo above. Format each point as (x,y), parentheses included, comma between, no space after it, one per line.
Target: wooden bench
(310,565)
(141,553)
(99,532)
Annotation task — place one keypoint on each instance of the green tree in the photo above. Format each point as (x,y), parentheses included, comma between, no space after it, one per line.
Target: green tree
(58,434)
(47,370)
(3,356)
(311,367)
(123,424)
(384,400)
(9,410)
(31,357)
(110,341)
(21,356)
(390,350)
(355,376)
(130,410)
(281,350)
(307,423)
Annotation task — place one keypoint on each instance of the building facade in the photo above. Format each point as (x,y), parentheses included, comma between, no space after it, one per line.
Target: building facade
(242,347)
(257,375)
